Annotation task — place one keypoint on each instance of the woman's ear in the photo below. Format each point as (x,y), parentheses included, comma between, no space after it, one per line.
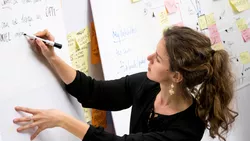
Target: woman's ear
(177,77)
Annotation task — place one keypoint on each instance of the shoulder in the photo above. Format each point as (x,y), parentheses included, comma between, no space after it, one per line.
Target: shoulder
(144,87)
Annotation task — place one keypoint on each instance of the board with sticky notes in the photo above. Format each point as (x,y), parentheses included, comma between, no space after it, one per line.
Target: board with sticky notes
(128,32)
(25,78)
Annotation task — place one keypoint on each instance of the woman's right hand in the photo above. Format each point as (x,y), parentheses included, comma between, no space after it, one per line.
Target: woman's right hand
(40,47)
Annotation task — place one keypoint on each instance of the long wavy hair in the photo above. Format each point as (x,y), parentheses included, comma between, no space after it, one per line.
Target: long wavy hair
(206,74)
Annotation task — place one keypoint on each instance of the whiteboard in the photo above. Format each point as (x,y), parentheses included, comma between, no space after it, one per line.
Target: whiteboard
(26,80)
(128,32)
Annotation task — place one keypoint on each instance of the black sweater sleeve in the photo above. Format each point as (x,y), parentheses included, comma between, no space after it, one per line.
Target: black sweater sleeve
(110,95)
(173,134)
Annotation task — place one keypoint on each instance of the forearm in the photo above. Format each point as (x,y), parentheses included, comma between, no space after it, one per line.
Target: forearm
(65,72)
(74,126)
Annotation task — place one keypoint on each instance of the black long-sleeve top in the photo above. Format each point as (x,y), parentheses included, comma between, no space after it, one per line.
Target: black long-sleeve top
(139,92)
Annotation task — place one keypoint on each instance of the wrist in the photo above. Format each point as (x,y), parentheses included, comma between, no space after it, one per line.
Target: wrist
(52,58)
(62,121)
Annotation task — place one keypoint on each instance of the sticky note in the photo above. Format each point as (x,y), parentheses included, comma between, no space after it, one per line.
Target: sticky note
(202,22)
(210,19)
(246,35)
(218,46)
(214,34)
(78,50)
(179,24)
(87,114)
(72,41)
(241,24)
(133,1)
(99,118)
(245,57)
(163,17)
(239,5)
(95,55)
(83,37)
(170,6)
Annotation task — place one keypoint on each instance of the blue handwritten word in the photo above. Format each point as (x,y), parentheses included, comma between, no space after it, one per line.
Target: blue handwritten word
(129,65)
(122,51)
(123,33)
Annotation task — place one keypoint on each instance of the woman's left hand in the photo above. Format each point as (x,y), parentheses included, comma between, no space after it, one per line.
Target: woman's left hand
(42,119)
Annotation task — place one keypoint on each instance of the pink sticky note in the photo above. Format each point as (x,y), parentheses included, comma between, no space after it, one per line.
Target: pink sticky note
(246,35)
(171,6)
(179,24)
(214,34)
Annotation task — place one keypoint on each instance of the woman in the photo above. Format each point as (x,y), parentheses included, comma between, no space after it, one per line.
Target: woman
(166,104)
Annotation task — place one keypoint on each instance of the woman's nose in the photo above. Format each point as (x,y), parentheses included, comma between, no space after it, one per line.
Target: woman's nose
(150,57)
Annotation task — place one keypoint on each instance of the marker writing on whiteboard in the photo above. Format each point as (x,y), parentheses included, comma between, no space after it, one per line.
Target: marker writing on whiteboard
(54,44)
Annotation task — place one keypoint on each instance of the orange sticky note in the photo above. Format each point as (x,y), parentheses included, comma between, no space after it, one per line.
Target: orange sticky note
(95,55)
(214,34)
(246,35)
(171,6)
(99,118)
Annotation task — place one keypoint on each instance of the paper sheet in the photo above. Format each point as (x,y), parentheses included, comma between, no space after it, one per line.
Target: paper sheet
(133,1)
(218,46)
(202,22)
(163,17)
(246,35)
(245,57)
(95,55)
(239,5)
(241,24)
(170,6)
(214,34)
(99,118)
(78,43)
(210,19)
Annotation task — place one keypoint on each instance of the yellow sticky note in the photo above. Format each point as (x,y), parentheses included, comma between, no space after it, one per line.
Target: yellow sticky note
(202,22)
(87,114)
(210,19)
(242,24)
(95,55)
(133,1)
(78,50)
(83,37)
(163,17)
(245,57)
(218,46)
(71,37)
(79,59)
(240,5)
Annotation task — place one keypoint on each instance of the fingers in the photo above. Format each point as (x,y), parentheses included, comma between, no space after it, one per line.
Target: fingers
(27,110)
(41,45)
(28,126)
(45,34)
(40,129)
(25,119)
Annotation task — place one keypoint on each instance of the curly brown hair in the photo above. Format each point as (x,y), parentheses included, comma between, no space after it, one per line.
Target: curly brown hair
(206,74)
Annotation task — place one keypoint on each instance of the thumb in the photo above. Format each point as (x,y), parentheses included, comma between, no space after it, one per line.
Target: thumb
(40,129)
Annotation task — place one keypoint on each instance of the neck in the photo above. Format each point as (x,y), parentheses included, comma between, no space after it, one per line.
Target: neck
(179,96)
